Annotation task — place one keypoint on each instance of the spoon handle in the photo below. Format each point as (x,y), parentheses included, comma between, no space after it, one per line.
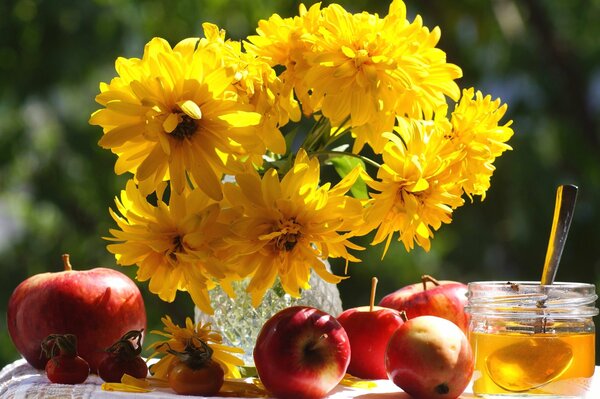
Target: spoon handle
(566,195)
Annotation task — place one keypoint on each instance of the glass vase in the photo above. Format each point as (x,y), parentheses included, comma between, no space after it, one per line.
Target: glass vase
(239,322)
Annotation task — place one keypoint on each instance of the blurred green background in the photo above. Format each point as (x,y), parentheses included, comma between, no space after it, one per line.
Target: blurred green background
(56,184)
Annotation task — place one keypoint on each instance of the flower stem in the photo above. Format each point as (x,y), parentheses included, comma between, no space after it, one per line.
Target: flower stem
(332,137)
(342,153)
(315,133)
(336,136)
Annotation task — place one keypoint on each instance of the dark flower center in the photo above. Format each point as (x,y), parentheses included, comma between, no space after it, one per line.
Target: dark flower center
(177,247)
(186,128)
(290,233)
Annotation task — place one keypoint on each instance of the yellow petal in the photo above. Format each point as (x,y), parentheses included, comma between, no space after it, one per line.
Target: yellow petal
(120,387)
(243,389)
(348,52)
(218,80)
(138,382)
(131,384)
(191,109)
(151,163)
(422,230)
(171,123)
(120,134)
(421,185)
(158,382)
(125,107)
(241,118)
(351,381)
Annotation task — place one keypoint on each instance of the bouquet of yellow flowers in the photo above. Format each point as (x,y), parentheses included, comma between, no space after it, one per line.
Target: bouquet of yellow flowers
(225,141)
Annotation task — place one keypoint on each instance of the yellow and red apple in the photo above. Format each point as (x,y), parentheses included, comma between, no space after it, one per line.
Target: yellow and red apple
(302,353)
(446,299)
(430,358)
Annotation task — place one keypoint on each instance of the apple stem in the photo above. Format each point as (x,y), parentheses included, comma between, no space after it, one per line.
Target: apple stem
(403,316)
(426,278)
(316,344)
(67,262)
(373,290)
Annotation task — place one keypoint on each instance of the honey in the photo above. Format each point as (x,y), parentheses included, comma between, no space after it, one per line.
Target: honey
(535,364)
(531,340)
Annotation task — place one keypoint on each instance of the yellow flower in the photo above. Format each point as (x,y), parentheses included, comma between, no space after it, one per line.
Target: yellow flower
(359,66)
(416,191)
(477,132)
(172,244)
(257,84)
(279,42)
(286,227)
(174,112)
(177,338)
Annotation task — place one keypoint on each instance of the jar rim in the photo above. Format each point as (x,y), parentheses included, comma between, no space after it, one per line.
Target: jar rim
(562,299)
(530,283)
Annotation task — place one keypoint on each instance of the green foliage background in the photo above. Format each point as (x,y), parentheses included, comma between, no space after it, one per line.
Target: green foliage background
(56,184)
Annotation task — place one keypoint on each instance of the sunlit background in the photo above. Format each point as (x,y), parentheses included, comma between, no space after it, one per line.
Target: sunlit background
(56,184)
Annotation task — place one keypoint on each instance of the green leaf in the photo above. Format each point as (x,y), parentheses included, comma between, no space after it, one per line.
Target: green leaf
(345,164)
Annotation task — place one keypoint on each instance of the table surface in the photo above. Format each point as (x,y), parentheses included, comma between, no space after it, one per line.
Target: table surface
(18,380)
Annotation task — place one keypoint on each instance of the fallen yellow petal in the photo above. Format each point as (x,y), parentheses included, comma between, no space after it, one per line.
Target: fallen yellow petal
(158,382)
(242,389)
(137,382)
(129,384)
(120,387)
(355,382)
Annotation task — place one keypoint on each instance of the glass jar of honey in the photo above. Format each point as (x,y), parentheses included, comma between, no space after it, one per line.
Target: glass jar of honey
(532,340)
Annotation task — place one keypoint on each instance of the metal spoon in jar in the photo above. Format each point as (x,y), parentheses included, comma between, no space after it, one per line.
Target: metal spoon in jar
(534,362)
(566,196)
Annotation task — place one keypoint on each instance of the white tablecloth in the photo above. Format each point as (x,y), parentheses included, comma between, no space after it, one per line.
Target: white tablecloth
(18,380)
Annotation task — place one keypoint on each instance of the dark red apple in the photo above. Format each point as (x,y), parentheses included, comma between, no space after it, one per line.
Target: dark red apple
(446,299)
(302,353)
(98,306)
(369,329)
(430,358)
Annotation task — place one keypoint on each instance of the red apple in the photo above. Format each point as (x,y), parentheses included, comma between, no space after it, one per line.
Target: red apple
(369,329)
(430,358)
(98,306)
(301,352)
(446,299)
